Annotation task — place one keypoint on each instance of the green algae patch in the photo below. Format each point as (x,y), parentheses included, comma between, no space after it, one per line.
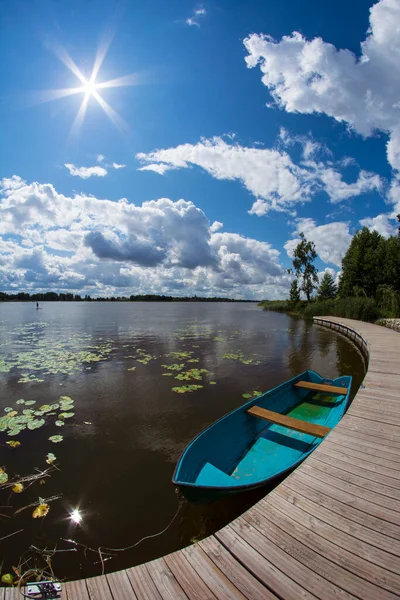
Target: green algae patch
(183,389)
(174,367)
(239,356)
(191,374)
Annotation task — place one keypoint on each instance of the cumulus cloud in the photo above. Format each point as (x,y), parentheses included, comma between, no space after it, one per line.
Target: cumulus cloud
(86,172)
(117,166)
(103,246)
(331,240)
(270,175)
(312,76)
(215,226)
(381,224)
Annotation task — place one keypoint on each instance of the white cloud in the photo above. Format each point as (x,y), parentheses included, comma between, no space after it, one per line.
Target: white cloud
(100,158)
(381,224)
(331,240)
(269,174)
(215,226)
(85,172)
(314,77)
(104,246)
(338,190)
(117,166)
(159,168)
(197,16)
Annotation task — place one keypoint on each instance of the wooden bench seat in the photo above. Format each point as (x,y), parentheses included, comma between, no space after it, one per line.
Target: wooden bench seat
(296,424)
(321,387)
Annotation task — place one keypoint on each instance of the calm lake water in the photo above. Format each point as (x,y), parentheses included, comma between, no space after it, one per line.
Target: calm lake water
(118,363)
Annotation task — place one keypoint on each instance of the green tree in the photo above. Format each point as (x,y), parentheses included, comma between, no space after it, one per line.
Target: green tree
(363,264)
(303,264)
(327,288)
(294,296)
(398,218)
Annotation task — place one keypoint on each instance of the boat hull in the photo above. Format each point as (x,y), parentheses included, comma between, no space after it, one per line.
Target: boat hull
(242,452)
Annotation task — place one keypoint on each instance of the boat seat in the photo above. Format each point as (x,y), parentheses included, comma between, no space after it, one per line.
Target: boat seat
(321,387)
(319,431)
(212,476)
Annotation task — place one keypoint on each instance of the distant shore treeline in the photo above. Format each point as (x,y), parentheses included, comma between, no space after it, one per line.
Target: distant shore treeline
(68,297)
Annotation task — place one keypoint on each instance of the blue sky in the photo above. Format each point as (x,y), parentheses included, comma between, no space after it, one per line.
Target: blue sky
(233,135)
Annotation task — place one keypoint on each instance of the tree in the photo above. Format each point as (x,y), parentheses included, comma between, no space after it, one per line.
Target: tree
(363,265)
(327,289)
(398,218)
(304,256)
(294,296)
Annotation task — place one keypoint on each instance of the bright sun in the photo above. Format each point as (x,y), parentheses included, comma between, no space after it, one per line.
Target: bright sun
(89,87)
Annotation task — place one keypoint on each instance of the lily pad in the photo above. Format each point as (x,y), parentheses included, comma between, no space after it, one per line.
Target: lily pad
(56,439)
(18,488)
(183,389)
(50,458)
(3,476)
(35,423)
(7,579)
(66,415)
(59,423)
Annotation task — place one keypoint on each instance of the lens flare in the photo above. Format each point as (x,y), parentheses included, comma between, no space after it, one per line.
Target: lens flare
(75,516)
(89,87)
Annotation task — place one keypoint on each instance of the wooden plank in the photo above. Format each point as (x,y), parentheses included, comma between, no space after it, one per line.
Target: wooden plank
(77,590)
(296,424)
(294,559)
(368,501)
(342,501)
(240,576)
(337,578)
(360,558)
(346,448)
(316,505)
(98,588)
(262,564)
(142,583)
(322,387)
(367,446)
(120,586)
(367,478)
(164,580)
(217,581)
(187,577)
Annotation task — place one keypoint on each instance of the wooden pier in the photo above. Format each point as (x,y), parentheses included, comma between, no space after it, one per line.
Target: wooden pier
(331,530)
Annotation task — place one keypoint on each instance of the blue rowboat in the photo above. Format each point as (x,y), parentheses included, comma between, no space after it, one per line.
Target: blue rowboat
(264,438)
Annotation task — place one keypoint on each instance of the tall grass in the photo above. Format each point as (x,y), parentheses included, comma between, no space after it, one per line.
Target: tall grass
(361,308)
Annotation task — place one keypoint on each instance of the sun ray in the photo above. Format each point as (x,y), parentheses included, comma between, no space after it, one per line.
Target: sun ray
(50,95)
(127,80)
(111,113)
(65,58)
(77,124)
(101,54)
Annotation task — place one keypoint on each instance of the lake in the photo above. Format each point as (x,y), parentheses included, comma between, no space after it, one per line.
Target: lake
(137,382)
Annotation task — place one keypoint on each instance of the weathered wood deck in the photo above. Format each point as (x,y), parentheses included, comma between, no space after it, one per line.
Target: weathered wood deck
(330,530)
